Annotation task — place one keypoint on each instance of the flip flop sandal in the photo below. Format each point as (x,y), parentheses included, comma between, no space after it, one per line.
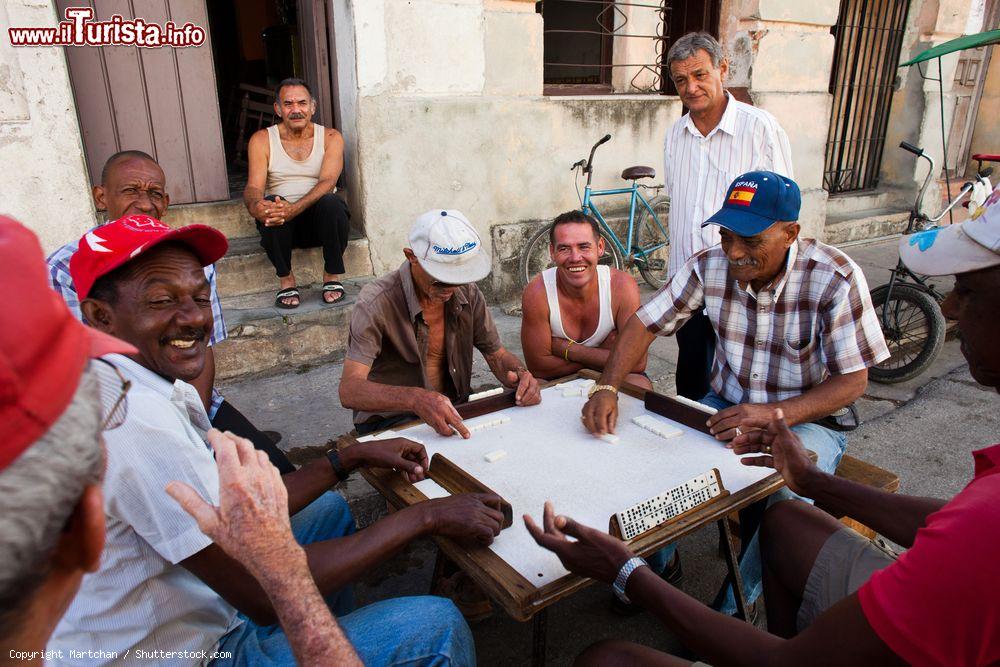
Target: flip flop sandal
(333,286)
(284,294)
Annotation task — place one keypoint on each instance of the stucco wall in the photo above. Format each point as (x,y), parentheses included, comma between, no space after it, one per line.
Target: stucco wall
(44,177)
(986,136)
(462,123)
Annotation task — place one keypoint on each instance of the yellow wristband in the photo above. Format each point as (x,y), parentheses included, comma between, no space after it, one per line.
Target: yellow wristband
(566,351)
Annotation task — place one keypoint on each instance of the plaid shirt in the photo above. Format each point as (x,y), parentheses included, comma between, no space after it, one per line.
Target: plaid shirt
(816,321)
(62,282)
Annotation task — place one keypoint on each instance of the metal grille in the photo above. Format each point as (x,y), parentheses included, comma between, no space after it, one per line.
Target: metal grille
(868,34)
(580,37)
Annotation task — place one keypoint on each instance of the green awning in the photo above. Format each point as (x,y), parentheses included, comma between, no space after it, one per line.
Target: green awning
(963,42)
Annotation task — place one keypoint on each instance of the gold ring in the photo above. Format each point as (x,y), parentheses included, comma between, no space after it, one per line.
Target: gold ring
(766,449)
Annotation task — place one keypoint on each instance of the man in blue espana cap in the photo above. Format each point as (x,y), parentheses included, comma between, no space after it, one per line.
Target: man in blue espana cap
(795,330)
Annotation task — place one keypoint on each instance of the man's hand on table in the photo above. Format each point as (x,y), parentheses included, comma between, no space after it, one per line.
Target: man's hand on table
(251,523)
(787,455)
(729,423)
(466,517)
(438,412)
(600,413)
(594,554)
(400,454)
(527,392)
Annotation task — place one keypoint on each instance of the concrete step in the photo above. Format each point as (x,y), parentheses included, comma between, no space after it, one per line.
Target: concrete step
(264,340)
(865,224)
(229,217)
(246,270)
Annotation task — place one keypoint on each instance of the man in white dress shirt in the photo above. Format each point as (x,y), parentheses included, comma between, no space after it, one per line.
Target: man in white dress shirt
(704,151)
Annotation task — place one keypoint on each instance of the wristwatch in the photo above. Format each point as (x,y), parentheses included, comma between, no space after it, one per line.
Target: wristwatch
(333,456)
(602,387)
(621,580)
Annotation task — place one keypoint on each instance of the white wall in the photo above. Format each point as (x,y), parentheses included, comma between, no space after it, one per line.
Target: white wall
(44,176)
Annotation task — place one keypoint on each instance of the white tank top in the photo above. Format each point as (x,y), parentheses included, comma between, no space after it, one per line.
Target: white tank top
(606,323)
(290,178)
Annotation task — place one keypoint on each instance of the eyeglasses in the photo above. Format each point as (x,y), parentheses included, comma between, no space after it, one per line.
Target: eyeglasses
(114,399)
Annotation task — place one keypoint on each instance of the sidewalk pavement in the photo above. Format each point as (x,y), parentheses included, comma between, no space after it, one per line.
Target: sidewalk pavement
(923,430)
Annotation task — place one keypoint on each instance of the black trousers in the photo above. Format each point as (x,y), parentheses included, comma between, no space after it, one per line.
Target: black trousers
(228,418)
(695,353)
(325,224)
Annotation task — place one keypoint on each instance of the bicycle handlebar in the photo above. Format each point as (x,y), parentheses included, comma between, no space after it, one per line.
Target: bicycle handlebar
(919,152)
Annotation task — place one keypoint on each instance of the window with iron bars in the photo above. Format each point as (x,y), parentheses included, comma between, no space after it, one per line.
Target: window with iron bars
(600,47)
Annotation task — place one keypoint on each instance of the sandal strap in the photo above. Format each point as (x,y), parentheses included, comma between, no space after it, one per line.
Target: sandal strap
(287,292)
(333,286)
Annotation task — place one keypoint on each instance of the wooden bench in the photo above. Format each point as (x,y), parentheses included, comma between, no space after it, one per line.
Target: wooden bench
(862,472)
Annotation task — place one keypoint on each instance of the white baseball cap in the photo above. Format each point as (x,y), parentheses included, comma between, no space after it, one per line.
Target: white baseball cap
(960,248)
(448,247)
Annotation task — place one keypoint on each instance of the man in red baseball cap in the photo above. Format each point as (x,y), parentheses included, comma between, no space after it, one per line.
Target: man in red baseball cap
(51,459)
(162,582)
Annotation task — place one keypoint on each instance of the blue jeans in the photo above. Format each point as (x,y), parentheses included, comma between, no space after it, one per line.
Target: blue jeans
(404,631)
(829,446)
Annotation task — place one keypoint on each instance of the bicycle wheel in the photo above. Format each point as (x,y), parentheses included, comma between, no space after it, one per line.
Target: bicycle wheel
(653,263)
(536,259)
(914,330)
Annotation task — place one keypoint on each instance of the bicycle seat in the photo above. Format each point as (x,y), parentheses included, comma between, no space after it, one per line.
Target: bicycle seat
(986,157)
(633,173)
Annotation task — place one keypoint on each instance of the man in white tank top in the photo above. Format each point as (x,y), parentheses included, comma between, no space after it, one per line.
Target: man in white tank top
(294,167)
(572,312)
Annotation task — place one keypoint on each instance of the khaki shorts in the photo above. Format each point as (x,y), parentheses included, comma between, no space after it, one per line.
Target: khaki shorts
(845,562)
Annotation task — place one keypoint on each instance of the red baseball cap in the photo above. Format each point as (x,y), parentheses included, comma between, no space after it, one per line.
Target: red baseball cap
(43,347)
(104,249)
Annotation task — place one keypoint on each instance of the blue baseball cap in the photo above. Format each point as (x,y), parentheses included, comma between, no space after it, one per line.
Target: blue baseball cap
(755,201)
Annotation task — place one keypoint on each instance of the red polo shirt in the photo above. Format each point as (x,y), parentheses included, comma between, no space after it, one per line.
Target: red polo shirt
(939,604)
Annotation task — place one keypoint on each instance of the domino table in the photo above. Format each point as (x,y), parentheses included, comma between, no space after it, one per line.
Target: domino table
(661,477)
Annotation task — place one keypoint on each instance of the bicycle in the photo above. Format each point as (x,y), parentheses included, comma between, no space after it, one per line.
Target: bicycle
(908,306)
(647,242)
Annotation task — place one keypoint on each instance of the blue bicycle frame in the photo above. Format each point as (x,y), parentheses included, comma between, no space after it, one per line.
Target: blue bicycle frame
(633,192)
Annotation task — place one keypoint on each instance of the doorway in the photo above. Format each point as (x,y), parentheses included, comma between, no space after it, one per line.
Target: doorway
(257,43)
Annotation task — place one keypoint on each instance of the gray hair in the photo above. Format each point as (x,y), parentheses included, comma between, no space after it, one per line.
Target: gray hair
(39,492)
(689,45)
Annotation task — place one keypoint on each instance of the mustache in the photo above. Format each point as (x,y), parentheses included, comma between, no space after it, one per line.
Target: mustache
(197,335)
(296,116)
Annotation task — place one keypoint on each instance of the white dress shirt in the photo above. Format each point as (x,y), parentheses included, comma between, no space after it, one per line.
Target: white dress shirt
(140,599)
(698,170)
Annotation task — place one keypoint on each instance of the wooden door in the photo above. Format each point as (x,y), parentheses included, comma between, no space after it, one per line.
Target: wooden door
(159,100)
(318,58)
(970,76)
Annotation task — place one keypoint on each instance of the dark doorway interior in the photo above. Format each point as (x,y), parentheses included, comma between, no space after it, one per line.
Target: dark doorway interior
(256,45)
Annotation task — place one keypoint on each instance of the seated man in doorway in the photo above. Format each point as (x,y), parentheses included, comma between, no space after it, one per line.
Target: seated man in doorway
(409,353)
(795,329)
(291,192)
(132,183)
(164,583)
(573,311)
(834,597)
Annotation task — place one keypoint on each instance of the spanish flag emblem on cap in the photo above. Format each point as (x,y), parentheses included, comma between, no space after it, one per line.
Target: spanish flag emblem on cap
(742,195)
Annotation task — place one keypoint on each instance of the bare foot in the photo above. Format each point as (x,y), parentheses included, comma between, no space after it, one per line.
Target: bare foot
(332,297)
(285,283)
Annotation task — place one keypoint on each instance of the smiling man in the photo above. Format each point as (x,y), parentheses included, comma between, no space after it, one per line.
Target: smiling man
(132,183)
(574,310)
(291,192)
(162,583)
(718,139)
(795,330)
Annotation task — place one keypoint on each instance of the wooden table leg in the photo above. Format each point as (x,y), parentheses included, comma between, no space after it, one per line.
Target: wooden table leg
(735,578)
(539,628)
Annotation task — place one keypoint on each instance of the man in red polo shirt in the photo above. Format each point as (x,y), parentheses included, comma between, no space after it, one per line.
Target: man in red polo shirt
(832,596)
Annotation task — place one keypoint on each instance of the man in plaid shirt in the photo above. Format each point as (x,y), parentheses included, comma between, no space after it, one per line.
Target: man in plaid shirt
(133,183)
(795,330)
